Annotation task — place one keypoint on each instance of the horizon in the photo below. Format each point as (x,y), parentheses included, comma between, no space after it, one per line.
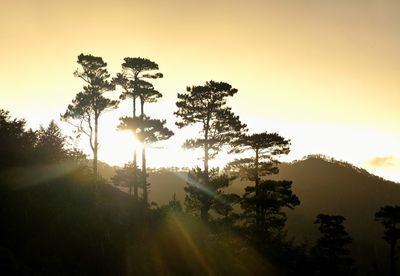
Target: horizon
(321,157)
(280,56)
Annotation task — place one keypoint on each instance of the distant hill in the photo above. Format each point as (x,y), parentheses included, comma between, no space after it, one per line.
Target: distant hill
(104,169)
(164,183)
(323,186)
(332,187)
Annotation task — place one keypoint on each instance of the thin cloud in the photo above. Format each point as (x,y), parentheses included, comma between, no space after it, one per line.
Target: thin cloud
(383,161)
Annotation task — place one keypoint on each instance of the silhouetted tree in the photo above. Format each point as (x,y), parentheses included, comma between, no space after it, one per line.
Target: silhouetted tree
(88,105)
(17,144)
(147,93)
(389,216)
(206,105)
(128,92)
(330,255)
(132,80)
(127,85)
(51,144)
(266,147)
(123,177)
(20,147)
(77,156)
(151,131)
(263,212)
(200,196)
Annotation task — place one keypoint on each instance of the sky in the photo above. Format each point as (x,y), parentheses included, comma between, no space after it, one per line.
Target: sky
(324,74)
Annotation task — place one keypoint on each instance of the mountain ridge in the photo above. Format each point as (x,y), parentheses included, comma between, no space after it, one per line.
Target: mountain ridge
(323,185)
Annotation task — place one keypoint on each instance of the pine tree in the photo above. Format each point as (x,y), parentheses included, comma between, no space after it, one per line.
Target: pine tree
(51,144)
(262,208)
(123,177)
(151,131)
(266,148)
(330,254)
(205,197)
(389,216)
(17,144)
(133,80)
(88,105)
(205,105)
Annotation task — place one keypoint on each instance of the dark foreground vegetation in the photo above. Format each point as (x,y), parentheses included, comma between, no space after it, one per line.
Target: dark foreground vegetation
(60,217)
(64,227)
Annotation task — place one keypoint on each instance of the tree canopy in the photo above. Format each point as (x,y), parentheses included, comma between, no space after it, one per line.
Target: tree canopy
(389,216)
(150,130)
(266,147)
(206,105)
(331,255)
(262,207)
(17,144)
(88,105)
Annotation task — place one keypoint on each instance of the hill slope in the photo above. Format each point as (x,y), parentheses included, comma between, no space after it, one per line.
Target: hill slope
(338,188)
(323,186)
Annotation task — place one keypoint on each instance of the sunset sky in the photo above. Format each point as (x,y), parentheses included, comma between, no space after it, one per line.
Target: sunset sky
(325,74)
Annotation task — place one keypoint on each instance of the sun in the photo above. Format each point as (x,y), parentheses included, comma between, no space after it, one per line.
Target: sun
(117,147)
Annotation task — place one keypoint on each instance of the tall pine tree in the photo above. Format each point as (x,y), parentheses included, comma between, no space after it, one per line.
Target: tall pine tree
(88,105)
(266,147)
(331,255)
(389,216)
(205,105)
(135,72)
(151,131)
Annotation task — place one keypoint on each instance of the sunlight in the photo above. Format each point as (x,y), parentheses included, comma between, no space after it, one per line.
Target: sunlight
(120,145)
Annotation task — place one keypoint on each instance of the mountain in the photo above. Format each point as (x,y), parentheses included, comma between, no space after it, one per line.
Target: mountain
(323,186)
(333,187)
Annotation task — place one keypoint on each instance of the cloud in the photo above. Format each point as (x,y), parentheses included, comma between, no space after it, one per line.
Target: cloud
(383,161)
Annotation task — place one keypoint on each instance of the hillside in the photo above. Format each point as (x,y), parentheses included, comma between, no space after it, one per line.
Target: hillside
(58,226)
(62,223)
(337,188)
(73,225)
(323,186)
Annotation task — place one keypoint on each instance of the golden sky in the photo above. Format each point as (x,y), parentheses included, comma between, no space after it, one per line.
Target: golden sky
(325,74)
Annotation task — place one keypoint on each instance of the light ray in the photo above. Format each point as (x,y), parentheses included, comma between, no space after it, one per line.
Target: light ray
(198,185)
(25,177)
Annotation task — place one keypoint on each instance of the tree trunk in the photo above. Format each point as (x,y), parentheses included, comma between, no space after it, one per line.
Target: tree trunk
(257,182)
(134,106)
(96,145)
(205,206)
(144,173)
(206,157)
(135,186)
(141,107)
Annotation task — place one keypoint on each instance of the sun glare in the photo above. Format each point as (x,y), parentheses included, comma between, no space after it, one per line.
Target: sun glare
(118,147)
